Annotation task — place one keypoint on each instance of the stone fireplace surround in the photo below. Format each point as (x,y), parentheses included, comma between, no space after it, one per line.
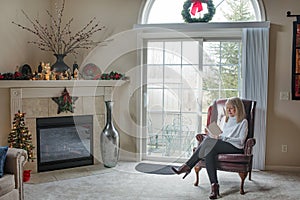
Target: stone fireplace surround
(34,99)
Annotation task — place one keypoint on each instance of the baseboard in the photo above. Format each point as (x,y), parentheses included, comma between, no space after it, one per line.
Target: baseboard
(128,156)
(282,168)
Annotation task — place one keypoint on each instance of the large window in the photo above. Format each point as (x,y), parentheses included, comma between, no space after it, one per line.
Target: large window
(185,74)
(221,69)
(183,77)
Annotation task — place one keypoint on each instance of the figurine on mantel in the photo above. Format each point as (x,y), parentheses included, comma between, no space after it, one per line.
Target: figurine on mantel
(75,66)
(45,73)
(68,74)
(75,75)
(75,71)
(40,68)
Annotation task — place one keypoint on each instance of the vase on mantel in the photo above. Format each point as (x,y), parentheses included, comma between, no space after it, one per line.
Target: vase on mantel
(59,65)
(109,139)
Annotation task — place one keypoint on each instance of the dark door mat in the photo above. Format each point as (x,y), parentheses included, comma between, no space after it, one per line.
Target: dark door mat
(155,168)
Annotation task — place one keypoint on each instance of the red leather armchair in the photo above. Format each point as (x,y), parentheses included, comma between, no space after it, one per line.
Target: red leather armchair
(241,163)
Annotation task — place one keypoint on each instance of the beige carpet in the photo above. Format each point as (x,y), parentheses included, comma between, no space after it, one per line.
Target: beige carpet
(124,182)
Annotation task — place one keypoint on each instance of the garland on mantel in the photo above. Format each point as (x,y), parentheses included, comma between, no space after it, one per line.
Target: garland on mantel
(105,76)
(13,76)
(112,76)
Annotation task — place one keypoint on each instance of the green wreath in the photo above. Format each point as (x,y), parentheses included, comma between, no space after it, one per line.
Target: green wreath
(206,18)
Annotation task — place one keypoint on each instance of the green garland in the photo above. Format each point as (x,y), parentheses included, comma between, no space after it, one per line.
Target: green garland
(206,18)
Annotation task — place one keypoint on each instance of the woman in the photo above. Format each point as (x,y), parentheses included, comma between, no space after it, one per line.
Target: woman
(231,141)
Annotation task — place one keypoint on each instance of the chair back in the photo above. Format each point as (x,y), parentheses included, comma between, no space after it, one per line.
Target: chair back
(216,112)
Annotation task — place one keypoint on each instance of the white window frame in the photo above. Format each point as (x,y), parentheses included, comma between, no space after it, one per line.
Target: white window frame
(205,30)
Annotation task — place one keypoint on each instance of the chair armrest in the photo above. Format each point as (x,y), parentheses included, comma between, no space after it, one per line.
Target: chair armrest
(14,163)
(200,137)
(249,146)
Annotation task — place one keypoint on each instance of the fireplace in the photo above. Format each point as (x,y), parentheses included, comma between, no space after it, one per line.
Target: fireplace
(64,142)
(35,99)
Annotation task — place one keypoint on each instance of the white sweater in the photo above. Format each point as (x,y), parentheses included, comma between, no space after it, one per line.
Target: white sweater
(235,133)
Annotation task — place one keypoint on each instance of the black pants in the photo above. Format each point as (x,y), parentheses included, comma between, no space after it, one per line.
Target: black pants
(208,150)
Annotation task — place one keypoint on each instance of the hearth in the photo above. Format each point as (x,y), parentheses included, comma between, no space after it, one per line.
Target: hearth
(64,142)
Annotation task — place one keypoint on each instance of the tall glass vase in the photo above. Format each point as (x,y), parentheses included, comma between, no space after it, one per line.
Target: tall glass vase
(59,65)
(110,141)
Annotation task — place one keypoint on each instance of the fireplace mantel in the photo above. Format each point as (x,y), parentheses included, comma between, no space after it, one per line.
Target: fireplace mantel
(25,89)
(60,83)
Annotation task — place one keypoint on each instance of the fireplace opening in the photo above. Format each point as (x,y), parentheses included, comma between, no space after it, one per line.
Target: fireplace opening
(64,142)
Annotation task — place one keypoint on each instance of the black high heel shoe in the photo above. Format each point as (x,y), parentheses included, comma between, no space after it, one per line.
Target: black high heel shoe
(214,191)
(183,169)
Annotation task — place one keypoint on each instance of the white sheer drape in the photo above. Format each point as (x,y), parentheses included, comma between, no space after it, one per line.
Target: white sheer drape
(255,83)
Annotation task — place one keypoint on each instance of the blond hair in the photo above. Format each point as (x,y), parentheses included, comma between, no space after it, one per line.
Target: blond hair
(239,108)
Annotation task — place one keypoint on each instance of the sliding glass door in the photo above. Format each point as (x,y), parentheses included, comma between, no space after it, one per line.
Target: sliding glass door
(183,78)
(173,95)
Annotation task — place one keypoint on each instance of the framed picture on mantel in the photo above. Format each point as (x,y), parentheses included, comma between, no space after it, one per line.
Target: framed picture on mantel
(296,61)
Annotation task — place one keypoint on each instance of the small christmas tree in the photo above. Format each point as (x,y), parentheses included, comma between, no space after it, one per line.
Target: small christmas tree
(20,136)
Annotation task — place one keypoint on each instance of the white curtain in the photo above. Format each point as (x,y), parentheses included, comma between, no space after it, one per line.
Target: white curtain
(255,83)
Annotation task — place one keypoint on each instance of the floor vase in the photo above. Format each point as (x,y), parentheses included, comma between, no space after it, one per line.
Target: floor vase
(109,139)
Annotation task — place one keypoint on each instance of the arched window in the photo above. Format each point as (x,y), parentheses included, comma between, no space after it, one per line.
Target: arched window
(187,66)
(162,11)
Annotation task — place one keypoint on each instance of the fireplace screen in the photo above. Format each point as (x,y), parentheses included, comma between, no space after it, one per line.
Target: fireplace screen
(64,142)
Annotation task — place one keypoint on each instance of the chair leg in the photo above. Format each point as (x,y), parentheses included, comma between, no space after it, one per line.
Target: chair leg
(243,176)
(250,167)
(250,176)
(197,170)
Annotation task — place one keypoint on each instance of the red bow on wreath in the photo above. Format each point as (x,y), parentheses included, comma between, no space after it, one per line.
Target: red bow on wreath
(197,5)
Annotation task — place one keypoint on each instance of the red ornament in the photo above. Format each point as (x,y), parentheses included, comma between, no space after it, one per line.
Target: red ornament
(17,75)
(196,7)
(117,76)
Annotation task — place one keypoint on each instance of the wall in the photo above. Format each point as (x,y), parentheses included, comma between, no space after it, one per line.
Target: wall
(115,16)
(283,125)
(14,49)
(283,116)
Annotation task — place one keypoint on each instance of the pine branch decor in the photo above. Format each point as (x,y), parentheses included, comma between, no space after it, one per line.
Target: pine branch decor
(58,38)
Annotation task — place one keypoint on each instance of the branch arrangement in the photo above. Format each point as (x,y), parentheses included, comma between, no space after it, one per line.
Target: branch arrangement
(58,38)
